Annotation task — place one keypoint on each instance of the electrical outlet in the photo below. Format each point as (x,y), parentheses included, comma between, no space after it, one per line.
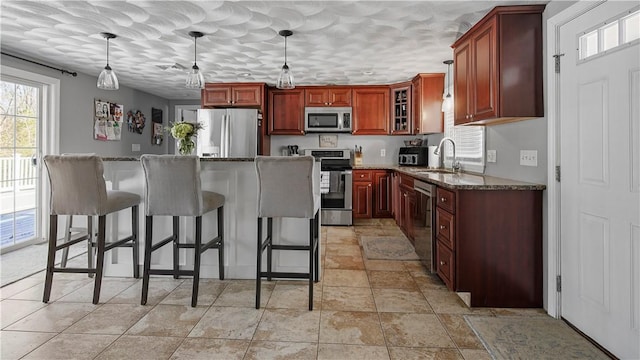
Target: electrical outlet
(135,147)
(529,157)
(491,156)
(383,152)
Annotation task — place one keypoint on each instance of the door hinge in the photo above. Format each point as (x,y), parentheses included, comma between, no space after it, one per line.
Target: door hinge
(557,61)
(558,283)
(558,173)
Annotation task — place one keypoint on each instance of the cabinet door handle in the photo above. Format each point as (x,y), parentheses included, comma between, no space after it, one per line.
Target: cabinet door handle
(442,227)
(443,200)
(369,185)
(442,263)
(466,116)
(362,175)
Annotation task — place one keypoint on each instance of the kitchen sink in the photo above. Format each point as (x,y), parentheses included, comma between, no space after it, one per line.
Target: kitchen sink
(432,171)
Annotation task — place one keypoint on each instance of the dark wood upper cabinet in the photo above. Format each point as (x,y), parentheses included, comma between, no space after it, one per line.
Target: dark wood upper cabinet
(371,110)
(338,96)
(232,95)
(498,67)
(427,103)
(401,120)
(286,112)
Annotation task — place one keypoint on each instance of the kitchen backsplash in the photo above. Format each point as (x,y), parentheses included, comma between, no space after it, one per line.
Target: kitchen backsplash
(372,145)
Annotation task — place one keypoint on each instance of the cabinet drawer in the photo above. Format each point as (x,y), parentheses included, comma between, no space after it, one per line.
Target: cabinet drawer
(446,200)
(362,175)
(445,264)
(445,225)
(406,181)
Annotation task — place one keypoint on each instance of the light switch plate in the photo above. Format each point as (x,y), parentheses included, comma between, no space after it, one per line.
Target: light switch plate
(135,147)
(529,157)
(491,156)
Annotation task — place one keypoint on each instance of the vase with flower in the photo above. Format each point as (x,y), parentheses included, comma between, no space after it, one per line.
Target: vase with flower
(184,132)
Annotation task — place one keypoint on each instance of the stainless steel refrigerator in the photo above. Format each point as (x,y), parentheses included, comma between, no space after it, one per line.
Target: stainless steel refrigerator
(228,133)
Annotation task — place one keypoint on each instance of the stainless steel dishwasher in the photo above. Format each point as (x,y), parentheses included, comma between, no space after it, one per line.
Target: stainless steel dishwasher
(423,221)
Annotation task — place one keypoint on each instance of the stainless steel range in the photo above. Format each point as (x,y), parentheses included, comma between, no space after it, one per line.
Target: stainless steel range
(335,185)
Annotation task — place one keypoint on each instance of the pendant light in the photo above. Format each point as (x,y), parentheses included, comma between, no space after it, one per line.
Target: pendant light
(195,79)
(447,104)
(285,80)
(107,79)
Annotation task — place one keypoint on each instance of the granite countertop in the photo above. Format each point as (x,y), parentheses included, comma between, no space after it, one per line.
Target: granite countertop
(457,181)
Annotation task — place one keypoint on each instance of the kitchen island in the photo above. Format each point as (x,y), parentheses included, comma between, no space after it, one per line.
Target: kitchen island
(236,179)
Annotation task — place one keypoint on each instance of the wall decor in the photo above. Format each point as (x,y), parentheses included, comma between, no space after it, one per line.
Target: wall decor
(156,133)
(328,141)
(107,120)
(135,121)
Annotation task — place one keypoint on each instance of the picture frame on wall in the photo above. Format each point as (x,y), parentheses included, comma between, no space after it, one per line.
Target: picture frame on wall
(157,133)
(107,120)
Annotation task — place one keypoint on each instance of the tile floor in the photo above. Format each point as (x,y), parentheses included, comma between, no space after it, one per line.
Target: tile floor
(363,310)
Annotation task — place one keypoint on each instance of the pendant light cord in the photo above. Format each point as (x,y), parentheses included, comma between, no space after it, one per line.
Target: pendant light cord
(448,81)
(285,50)
(107,51)
(195,50)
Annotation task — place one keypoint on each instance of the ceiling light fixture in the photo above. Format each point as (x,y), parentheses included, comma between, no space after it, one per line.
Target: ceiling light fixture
(447,104)
(285,80)
(195,79)
(107,79)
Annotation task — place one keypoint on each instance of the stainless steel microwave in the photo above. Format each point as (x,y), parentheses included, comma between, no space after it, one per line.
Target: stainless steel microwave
(327,119)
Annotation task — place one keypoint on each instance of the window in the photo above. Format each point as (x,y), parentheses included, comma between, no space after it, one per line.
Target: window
(470,143)
(612,35)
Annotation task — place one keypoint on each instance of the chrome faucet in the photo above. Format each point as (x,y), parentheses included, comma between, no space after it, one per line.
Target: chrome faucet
(455,164)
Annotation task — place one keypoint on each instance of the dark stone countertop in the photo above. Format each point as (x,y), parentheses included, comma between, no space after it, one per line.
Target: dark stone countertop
(457,181)
(208,159)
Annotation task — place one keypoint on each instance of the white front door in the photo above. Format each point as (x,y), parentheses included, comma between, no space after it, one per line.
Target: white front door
(600,185)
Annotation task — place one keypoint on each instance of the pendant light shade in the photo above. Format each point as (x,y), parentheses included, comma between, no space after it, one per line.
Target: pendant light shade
(107,80)
(195,79)
(447,103)
(285,80)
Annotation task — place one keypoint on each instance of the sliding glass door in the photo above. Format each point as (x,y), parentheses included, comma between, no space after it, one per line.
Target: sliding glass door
(20,123)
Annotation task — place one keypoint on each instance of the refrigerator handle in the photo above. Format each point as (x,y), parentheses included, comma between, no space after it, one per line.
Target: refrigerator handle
(224,133)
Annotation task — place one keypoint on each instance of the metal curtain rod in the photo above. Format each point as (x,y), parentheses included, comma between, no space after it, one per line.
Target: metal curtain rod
(74,74)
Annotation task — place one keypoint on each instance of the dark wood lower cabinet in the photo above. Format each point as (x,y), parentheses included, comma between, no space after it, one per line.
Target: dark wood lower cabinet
(494,250)
(371,194)
(362,200)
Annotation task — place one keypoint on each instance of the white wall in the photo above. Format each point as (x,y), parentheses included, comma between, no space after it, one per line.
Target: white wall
(77,96)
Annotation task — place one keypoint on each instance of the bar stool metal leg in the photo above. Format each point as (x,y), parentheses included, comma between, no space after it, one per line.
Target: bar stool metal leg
(221,242)
(148,234)
(259,263)
(100,258)
(67,238)
(90,241)
(176,248)
(196,262)
(311,263)
(269,247)
(135,242)
(53,234)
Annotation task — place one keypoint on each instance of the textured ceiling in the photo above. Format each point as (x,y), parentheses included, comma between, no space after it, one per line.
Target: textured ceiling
(333,42)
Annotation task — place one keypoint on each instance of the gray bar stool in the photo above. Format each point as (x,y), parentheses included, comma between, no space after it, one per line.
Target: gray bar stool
(78,188)
(287,187)
(172,188)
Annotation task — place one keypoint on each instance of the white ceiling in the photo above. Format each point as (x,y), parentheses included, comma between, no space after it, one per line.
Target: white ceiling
(333,42)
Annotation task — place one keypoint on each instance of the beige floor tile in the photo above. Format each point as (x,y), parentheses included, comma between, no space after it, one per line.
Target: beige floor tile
(408,353)
(168,320)
(384,265)
(159,288)
(468,354)
(391,280)
(344,250)
(460,332)
(288,325)
(341,298)
(54,317)
(352,278)
(351,239)
(294,295)
(110,287)
(16,344)
(241,293)
(281,350)
(59,288)
(141,347)
(72,346)
(427,281)
(112,319)
(352,352)
(20,286)
(226,322)
(414,265)
(357,328)
(14,310)
(211,349)
(445,302)
(208,292)
(415,330)
(345,262)
(338,232)
(519,312)
(400,300)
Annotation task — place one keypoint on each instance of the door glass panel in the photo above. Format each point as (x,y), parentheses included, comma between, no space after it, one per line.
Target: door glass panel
(19,124)
(610,36)
(589,44)
(631,27)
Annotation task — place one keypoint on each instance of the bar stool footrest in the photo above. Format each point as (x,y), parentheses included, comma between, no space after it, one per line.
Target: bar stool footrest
(282,275)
